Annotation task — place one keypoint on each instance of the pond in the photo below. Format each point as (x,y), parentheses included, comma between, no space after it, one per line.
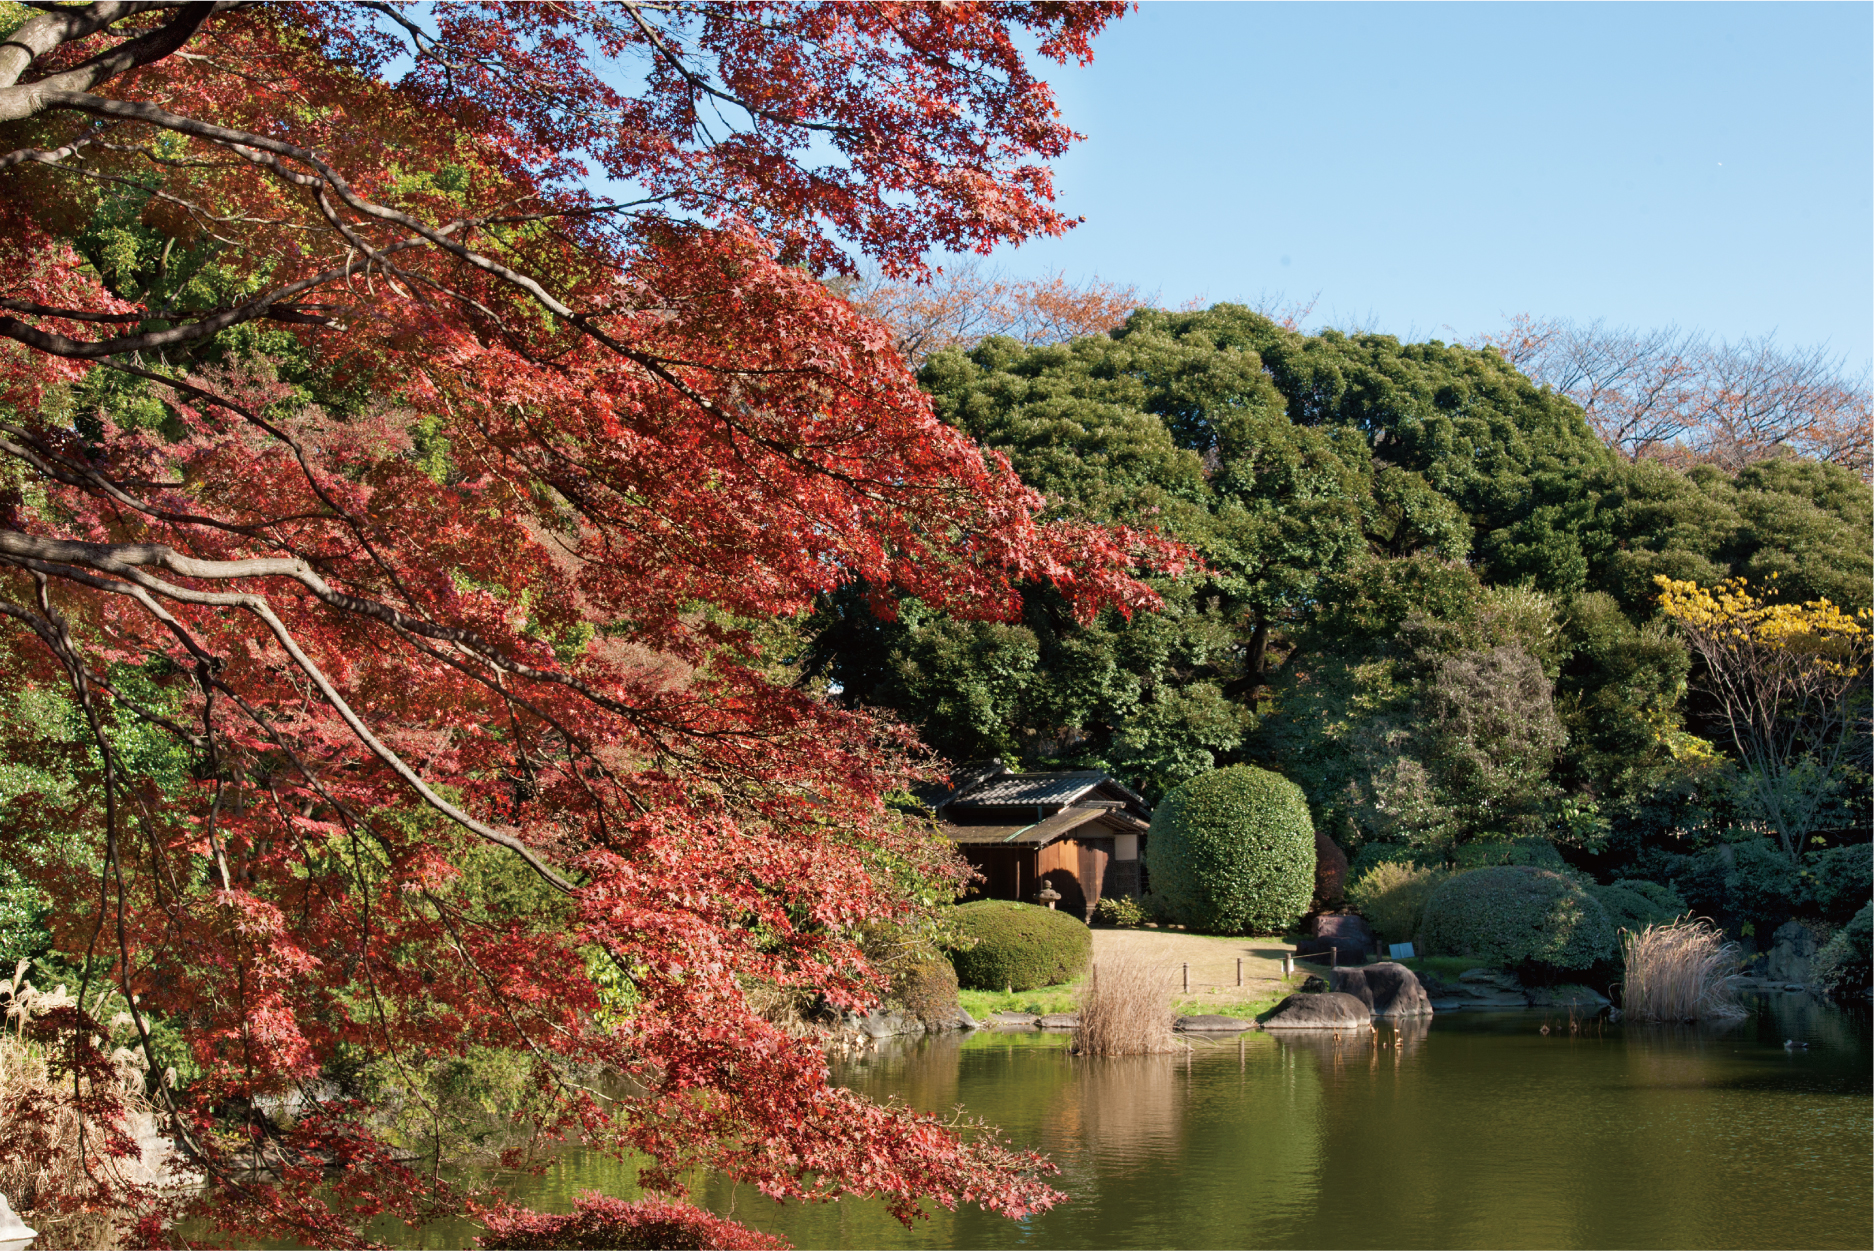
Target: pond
(1472,1129)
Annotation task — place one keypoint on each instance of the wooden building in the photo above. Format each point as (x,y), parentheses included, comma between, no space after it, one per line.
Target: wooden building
(1078,831)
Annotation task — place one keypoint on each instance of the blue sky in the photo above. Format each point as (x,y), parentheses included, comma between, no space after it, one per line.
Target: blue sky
(1431,168)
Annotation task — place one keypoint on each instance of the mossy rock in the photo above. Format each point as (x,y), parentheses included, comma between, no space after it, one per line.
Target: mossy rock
(1018,945)
(1518,915)
(1233,851)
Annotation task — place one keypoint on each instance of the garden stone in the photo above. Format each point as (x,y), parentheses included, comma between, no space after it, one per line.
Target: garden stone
(1793,949)
(1389,989)
(15,1234)
(966,1021)
(1056,1020)
(1211,1024)
(1313,985)
(1328,1010)
(1012,1020)
(880,1023)
(1479,975)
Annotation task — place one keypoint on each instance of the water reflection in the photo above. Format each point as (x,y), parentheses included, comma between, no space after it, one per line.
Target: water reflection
(1460,1131)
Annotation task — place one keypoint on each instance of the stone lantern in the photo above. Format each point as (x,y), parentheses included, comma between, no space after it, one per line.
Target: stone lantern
(1048,895)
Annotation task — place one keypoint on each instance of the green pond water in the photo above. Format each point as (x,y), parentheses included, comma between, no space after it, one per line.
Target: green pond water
(1475,1130)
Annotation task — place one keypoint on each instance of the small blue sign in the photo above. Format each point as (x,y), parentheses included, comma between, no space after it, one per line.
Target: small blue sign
(1400,951)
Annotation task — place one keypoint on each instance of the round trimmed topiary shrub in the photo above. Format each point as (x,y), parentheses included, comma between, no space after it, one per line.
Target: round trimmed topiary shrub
(1233,851)
(1515,914)
(1018,945)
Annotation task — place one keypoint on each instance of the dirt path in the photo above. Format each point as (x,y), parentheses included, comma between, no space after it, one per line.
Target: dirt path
(1211,963)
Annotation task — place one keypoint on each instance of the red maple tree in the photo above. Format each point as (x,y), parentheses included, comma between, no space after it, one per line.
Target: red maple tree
(442,497)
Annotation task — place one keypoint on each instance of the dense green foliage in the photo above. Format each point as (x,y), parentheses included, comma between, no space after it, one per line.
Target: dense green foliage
(1393,897)
(1516,915)
(1122,910)
(1232,851)
(1630,909)
(1017,946)
(1427,595)
(1843,967)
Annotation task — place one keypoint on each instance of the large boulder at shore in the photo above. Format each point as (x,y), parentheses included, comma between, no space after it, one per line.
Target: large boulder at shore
(1329,1010)
(1389,989)
(1347,933)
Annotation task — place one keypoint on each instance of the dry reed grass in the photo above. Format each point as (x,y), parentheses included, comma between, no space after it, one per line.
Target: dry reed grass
(1685,971)
(75,1162)
(1126,1011)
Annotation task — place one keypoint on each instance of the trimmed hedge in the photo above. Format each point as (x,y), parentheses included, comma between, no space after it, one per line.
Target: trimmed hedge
(1018,945)
(1631,909)
(1535,852)
(1233,851)
(1515,914)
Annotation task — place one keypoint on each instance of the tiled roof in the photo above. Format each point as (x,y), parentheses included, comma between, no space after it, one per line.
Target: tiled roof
(1068,821)
(1029,789)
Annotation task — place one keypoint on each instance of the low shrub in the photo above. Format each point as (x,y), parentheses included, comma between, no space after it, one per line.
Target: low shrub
(1664,898)
(1843,967)
(600,1221)
(1518,915)
(1126,1011)
(1752,886)
(1233,851)
(1372,854)
(1630,909)
(1017,945)
(928,990)
(1392,895)
(1120,910)
(1685,971)
(1535,852)
(1839,880)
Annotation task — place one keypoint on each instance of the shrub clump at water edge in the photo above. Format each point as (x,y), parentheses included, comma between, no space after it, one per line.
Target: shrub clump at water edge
(1017,946)
(1518,915)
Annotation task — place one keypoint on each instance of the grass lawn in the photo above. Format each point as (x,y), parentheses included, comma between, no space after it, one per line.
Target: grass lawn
(981,1003)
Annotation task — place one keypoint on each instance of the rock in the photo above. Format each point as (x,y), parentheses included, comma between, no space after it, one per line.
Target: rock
(1479,975)
(1328,1010)
(1331,872)
(1566,996)
(1057,1020)
(1789,959)
(1209,1024)
(1446,1005)
(880,1023)
(1389,989)
(1012,1020)
(1348,934)
(1313,985)
(967,1021)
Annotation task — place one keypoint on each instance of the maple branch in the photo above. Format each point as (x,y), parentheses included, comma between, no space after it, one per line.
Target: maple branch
(126,562)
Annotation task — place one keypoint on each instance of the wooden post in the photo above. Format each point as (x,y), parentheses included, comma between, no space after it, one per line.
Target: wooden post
(1240,970)
(1185,976)
(1334,952)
